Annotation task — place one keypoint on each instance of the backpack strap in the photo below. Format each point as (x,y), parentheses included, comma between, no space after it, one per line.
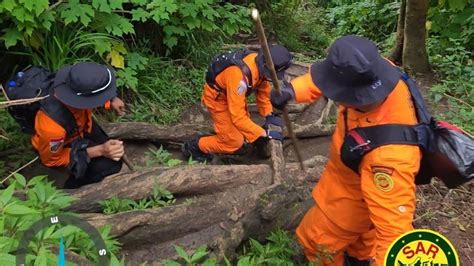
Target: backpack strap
(235,60)
(60,114)
(360,141)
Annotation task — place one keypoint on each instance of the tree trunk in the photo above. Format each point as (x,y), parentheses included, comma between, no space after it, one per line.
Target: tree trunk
(397,50)
(415,57)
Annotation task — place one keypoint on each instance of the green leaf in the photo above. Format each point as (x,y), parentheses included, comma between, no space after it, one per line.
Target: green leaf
(8,5)
(47,234)
(140,14)
(115,24)
(16,209)
(136,61)
(20,179)
(35,180)
(102,5)
(182,253)
(117,4)
(7,259)
(457,4)
(41,258)
(65,231)
(7,194)
(198,255)
(77,12)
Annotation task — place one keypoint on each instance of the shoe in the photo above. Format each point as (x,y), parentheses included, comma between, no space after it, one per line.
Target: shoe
(191,149)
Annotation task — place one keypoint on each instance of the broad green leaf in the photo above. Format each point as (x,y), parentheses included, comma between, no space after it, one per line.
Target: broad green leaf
(7,194)
(457,4)
(65,231)
(41,258)
(20,179)
(115,24)
(102,5)
(140,14)
(181,252)
(198,255)
(35,180)
(7,259)
(116,59)
(16,209)
(136,61)
(117,4)
(47,234)
(8,5)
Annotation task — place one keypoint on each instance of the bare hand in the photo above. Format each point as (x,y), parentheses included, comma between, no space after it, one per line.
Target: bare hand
(113,149)
(118,105)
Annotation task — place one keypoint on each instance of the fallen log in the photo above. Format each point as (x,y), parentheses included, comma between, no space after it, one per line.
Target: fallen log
(181,133)
(181,181)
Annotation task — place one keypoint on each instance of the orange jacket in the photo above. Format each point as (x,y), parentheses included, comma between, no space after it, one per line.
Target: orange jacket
(233,81)
(50,139)
(386,202)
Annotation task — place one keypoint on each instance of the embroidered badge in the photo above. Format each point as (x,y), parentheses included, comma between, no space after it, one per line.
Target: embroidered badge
(242,88)
(383,181)
(55,144)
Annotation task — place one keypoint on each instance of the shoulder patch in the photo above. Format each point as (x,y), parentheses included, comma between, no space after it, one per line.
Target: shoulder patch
(383,181)
(242,88)
(55,144)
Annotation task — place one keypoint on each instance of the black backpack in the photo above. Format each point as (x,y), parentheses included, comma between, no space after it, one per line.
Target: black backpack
(225,60)
(448,152)
(37,82)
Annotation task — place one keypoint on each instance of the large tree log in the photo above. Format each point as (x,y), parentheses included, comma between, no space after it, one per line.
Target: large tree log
(181,133)
(190,180)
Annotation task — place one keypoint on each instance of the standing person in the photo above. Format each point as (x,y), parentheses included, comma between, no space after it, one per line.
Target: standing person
(231,78)
(65,133)
(358,213)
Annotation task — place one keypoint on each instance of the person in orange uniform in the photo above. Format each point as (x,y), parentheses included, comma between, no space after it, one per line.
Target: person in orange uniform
(85,150)
(231,78)
(358,214)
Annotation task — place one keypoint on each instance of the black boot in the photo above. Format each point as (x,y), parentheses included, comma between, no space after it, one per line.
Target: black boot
(351,261)
(191,149)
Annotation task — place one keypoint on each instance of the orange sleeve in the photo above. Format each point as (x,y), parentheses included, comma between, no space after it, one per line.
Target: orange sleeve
(388,187)
(237,102)
(263,99)
(305,89)
(48,141)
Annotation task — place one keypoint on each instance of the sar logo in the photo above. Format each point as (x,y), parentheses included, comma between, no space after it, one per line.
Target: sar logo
(421,247)
(383,182)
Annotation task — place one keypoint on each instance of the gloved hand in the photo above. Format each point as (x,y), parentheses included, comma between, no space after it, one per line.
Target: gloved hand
(272,119)
(287,94)
(275,135)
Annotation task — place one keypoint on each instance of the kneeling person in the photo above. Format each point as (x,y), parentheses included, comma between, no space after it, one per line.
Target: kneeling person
(231,78)
(66,134)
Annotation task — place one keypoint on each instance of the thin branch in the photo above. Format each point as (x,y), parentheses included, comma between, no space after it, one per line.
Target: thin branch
(459,100)
(53,6)
(21,101)
(19,169)
(4,92)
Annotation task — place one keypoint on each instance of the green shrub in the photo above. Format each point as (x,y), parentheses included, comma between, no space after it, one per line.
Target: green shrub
(42,200)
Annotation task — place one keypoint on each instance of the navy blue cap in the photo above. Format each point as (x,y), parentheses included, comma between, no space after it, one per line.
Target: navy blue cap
(281,58)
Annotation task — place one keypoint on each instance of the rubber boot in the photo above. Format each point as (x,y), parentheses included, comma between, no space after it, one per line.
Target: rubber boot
(191,149)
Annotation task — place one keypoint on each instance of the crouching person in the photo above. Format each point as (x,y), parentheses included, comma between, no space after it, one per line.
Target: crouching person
(231,78)
(66,134)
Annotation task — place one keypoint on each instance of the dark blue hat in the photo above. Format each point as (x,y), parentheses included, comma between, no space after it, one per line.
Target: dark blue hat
(281,58)
(85,85)
(354,72)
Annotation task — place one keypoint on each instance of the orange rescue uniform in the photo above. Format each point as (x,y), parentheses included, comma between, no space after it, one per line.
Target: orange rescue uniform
(361,214)
(50,138)
(228,108)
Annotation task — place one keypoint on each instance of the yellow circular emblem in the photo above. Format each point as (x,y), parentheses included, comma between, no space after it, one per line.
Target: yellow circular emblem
(421,247)
(383,181)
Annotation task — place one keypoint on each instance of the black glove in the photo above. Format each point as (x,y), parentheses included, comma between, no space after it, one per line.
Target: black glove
(272,119)
(79,159)
(287,94)
(275,135)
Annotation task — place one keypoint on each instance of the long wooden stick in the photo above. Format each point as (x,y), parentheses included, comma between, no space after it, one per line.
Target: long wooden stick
(269,62)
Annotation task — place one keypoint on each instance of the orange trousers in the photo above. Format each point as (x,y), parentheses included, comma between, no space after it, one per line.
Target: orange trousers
(228,138)
(325,243)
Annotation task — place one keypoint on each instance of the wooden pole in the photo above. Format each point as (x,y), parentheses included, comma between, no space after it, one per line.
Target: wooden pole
(269,62)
